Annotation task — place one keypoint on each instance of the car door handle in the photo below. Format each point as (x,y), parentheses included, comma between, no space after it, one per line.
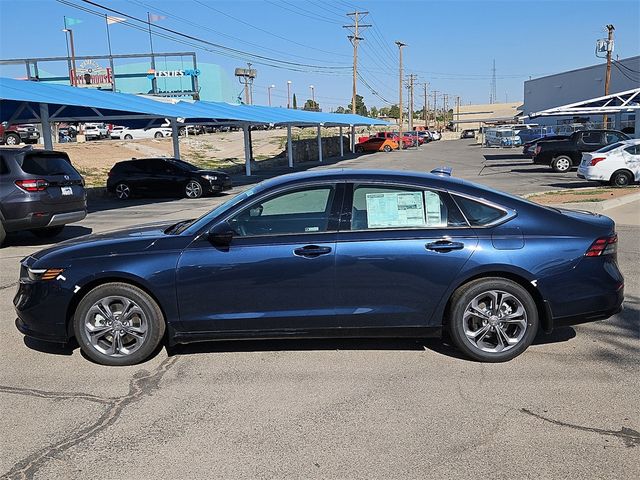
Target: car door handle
(311,251)
(444,246)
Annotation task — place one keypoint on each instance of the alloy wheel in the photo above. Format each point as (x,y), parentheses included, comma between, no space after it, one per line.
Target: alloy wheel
(494,321)
(563,164)
(116,326)
(193,190)
(122,191)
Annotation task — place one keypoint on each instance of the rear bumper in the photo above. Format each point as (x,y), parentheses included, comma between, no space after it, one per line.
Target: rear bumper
(44,220)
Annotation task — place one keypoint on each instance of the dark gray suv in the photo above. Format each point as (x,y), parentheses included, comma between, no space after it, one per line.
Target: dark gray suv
(40,191)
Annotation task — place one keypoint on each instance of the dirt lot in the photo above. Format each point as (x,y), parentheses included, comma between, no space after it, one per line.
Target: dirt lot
(216,150)
(582,195)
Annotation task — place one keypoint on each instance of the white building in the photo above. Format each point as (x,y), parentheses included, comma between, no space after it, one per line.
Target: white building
(580,85)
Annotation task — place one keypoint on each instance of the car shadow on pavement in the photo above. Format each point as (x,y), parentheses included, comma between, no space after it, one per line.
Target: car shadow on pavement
(506,156)
(27,239)
(101,204)
(50,347)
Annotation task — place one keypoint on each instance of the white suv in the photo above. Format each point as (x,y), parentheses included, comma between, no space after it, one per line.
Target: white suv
(618,164)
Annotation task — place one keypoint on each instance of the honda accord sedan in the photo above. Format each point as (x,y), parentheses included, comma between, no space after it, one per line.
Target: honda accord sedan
(332,253)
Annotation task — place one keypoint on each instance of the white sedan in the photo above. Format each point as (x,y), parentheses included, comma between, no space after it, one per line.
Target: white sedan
(126,133)
(618,164)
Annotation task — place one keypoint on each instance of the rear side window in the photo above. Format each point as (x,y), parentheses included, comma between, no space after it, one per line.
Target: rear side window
(376,207)
(4,169)
(479,214)
(592,138)
(633,149)
(46,165)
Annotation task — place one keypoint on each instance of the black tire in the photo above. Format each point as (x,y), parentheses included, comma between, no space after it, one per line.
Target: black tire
(48,232)
(193,189)
(3,234)
(123,191)
(128,137)
(150,311)
(12,139)
(182,131)
(386,148)
(561,164)
(471,291)
(157,135)
(621,178)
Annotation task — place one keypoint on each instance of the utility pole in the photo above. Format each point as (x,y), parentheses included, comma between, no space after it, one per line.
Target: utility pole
(445,110)
(400,119)
(426,104)
(607,80)
(412,78)
(435,109)
(457,113)
(269,92)
(355,39)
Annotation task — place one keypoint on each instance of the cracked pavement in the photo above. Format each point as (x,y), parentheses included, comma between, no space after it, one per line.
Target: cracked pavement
(376,408)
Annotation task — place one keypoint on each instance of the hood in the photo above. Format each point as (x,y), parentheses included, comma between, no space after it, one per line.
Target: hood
(212,172)
(115,242)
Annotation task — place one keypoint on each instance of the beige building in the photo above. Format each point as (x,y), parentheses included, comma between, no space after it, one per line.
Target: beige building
(476,116)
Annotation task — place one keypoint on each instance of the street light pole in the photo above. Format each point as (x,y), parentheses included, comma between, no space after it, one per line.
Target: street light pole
(269,90)
(288,93)
(73,56)
(313,95)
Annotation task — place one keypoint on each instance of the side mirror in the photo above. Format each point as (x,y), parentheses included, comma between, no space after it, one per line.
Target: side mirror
(221,235)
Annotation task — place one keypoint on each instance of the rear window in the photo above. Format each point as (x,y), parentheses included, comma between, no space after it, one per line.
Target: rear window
(478,214)
(3,167)
(46,165)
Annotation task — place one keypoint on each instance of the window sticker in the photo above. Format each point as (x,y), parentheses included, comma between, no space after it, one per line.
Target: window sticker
(396,209)
(434,209)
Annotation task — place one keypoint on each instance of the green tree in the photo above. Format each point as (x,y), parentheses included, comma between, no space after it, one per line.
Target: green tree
(361,108)
(295,102)
(311,105)
(384,112)
(394,111)
(340,109)
(373,112)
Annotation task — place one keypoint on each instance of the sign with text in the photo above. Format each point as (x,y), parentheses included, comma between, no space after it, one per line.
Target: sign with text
(89,74)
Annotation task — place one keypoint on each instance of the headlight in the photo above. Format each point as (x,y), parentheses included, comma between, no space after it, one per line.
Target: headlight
(211,178)
(44,273)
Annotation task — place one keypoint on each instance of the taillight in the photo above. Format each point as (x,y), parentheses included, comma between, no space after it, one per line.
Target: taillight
(110,173)
(32,185)
(603,246)
(596,160)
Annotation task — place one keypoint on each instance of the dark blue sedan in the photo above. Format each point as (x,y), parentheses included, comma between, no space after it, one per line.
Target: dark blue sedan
(332,253)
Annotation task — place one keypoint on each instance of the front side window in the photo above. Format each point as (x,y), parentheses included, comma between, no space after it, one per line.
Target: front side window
(478,214)
(377,207)
(613,137)
(301,211)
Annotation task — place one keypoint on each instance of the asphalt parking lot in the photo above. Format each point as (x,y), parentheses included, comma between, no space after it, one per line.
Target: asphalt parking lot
(568,407)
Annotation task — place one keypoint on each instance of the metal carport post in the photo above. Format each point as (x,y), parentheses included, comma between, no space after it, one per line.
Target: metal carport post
(46,126)
(247,150)
(175,138)
(289,147)
(320,142)
(341,143)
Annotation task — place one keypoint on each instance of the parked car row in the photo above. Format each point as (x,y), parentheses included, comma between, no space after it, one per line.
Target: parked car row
(41,191)
(17,134)
(617,164)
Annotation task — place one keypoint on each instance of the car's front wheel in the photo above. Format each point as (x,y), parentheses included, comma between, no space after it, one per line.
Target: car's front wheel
(492,319)
(193,189)
(158,135)
(561,164)
(128,137)
(387,148)
(118,324)
(621,178)
(123,191)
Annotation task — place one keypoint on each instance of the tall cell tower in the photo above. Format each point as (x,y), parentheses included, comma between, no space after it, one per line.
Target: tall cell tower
(492,93)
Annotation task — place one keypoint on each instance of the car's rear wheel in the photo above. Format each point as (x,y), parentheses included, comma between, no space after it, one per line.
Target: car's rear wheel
(193,189)
(387,148)
(48,232)
(12,139)
(492,319)
(157,135)
(621,178)
(123,191)
(561,164)
(128,137)
(118,324)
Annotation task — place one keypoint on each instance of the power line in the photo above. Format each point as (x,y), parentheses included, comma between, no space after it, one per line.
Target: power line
(254,57)
(299,11)
(355,40)
(295,42)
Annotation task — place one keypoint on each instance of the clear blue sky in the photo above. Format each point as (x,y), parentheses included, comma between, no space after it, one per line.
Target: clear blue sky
(451,43)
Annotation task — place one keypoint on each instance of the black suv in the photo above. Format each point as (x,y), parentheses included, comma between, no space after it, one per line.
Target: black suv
(40,191)
(164,177)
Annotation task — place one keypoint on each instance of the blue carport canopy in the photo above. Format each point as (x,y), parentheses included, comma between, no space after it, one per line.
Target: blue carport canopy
(33,102)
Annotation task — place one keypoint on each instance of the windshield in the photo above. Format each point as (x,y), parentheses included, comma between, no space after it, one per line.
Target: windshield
(608,148)
(183,164)
(196,225)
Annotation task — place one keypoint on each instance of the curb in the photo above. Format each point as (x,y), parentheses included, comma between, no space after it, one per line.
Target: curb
(600,206)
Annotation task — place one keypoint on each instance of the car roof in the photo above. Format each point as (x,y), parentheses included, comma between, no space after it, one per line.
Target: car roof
(632,141)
